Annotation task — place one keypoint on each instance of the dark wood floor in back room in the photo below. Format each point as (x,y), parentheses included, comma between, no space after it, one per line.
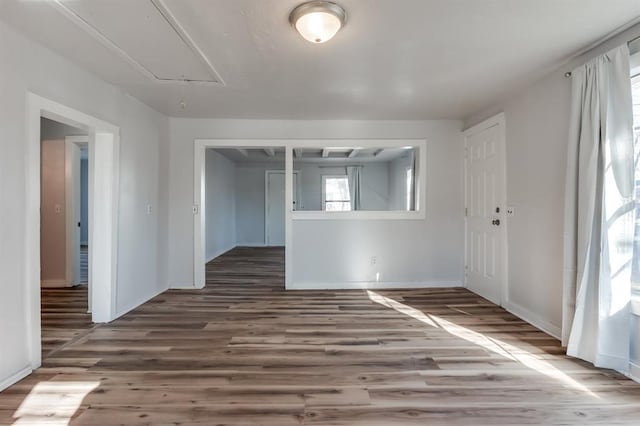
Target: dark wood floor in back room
(244,351)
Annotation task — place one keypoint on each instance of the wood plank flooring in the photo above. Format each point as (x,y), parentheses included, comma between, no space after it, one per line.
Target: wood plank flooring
(64,316)
(244,351)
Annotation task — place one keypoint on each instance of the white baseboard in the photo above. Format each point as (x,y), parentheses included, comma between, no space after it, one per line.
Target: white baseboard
(54,283)
(534,319)
(252,245)
(219,253)
(183,286)
(634,372)
(15,378)
(364,285)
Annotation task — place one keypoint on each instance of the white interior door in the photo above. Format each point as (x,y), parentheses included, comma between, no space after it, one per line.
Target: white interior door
(275,207)
(485,227)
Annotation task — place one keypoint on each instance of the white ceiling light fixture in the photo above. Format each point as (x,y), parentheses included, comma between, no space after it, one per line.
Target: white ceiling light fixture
(318,21)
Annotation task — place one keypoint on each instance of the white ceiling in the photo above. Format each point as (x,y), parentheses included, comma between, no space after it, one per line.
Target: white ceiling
(395,59)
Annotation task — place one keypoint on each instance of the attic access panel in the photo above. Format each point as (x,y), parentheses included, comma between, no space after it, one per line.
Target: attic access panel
(147,35)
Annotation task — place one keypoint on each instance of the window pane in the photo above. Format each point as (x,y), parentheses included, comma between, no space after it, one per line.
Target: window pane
(337,206)
(337,189)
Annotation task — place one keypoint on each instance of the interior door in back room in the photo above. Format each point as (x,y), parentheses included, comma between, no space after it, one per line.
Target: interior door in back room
(485,262)
(275,207)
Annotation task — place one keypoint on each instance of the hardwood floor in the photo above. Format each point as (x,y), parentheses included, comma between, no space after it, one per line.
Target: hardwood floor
(244,351)
(64,317)
(84,264)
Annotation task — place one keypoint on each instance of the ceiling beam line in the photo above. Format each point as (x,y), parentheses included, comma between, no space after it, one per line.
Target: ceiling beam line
(244,152)
(354,152)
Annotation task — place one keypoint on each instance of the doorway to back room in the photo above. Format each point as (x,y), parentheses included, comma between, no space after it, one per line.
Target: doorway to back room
(244,212)
(64,231)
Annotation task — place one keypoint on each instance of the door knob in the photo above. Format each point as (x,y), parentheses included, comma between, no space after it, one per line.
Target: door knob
(496,222)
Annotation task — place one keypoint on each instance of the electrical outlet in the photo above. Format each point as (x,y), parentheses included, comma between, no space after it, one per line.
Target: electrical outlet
(374,260)
(511,211)
(58,208)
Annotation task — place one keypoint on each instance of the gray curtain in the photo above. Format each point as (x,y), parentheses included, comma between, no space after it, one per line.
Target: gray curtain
(355,187)
(599,213)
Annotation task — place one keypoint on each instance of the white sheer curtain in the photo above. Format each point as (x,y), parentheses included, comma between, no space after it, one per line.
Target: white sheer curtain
(413,193)
(599,213)
(353,177)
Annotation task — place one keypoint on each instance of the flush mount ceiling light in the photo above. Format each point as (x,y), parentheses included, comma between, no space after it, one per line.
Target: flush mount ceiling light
(318,21)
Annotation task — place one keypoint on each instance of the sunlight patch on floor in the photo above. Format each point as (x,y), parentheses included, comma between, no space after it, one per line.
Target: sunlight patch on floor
(496,346)
(53,403)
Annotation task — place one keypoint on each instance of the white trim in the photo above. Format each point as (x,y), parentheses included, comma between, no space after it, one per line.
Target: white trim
(251,245)
(170,19)
(200,146)
(199,191)
(15,378)
(199,216)
(288,215)
(182,286)
(54,283)
(71,184)
(534,319)
(362,285)
(78,140)
(104,138)
(500,121)
(634,372)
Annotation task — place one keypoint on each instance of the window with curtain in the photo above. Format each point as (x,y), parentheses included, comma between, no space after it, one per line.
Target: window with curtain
(336,196)
(635,272)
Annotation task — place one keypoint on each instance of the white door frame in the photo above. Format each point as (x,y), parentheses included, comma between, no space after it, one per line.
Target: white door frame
(199,200)
(104,143)
(498,120)
(72,202)
(296,173)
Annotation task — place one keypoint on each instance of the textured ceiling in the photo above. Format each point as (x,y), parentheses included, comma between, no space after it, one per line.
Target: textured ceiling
(395,59)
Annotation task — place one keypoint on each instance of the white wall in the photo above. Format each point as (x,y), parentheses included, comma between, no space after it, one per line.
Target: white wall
(398,182)
(144,158)
(537,123)
(220,210)
(250,202)
(428,251)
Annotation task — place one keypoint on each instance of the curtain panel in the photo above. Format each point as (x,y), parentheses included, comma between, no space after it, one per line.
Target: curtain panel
(599,213)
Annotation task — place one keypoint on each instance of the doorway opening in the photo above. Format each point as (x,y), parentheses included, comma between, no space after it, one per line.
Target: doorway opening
(101,140)
(241,211)
(64,269)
